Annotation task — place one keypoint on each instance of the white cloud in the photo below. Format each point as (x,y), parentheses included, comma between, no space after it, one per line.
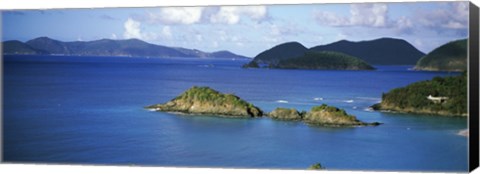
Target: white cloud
(176,15)
(222,35)
(374,15)
(285,29)
(199,37)
(194,15)
(240,44)
(254,12)
(404,25)
(452,18)
(167,32)
(418,43)
(455,16)
(331,19)
(368,14)
(113,36)
(341,36)
(215,44)
(233,14)
(132,29)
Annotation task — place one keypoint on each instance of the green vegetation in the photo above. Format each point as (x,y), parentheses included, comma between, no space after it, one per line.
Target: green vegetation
(331,109)
(448,57)
(413,98)
(324,60)
(204,100)
(286,114)
(316,166)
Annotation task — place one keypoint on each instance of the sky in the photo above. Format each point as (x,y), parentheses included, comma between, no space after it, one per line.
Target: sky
(247,30)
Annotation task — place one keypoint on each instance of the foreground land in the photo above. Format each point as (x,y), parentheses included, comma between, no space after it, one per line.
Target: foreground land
(445,96)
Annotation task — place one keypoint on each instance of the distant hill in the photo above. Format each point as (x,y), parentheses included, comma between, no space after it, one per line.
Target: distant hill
(383,51)
(280,52)
(17,47)
(325,60)
(451,56)
(106,47)
(226,54)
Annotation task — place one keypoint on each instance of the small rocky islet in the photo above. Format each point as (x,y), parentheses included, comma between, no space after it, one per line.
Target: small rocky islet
(322,115)
(207,101)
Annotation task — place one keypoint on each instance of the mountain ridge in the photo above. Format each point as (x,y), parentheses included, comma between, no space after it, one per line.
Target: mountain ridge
(106,47)
(381,51)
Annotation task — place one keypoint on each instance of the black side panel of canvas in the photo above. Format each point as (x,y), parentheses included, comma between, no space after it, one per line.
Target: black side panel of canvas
(474,89)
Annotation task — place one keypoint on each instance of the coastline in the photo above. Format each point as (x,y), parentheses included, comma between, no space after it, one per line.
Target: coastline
(410,110)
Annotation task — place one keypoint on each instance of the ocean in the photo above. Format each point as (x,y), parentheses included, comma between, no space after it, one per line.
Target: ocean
(89,110)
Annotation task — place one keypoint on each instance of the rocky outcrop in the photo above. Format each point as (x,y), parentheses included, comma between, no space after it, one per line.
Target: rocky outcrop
(322,115)
(286,114)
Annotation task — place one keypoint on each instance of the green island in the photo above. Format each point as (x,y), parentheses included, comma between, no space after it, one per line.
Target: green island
(446,96)
(207,101)
(451,56)
(324,60)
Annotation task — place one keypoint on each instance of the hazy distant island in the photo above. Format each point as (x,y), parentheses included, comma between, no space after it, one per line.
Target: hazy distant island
(383,51)
(207,101)
(106,47)
(451,56)
(440,96)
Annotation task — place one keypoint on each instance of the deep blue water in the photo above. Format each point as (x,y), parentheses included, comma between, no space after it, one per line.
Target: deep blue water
(89,110)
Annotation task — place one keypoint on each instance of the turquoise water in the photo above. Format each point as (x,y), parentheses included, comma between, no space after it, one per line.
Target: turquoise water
(89,110)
